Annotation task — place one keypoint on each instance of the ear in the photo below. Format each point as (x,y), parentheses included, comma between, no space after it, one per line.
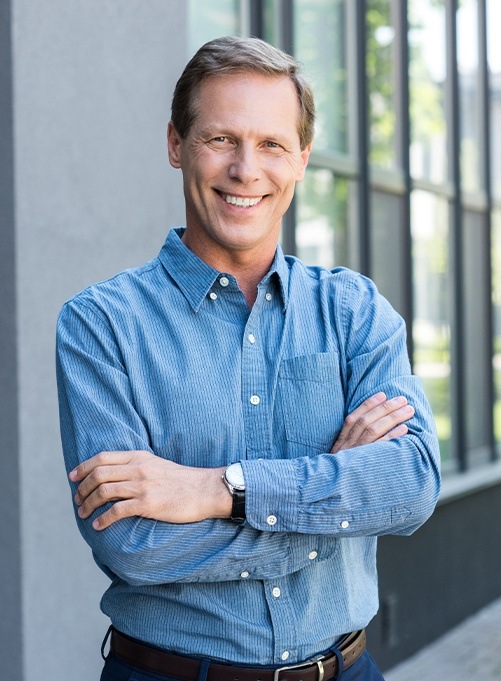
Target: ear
(305,155)
(174,143)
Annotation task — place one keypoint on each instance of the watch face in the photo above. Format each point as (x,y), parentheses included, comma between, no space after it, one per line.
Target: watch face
(235,475)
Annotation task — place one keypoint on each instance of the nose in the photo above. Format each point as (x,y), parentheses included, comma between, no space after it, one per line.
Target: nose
(245,166)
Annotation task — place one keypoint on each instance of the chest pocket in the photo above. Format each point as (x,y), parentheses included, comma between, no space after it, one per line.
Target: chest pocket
(311,399)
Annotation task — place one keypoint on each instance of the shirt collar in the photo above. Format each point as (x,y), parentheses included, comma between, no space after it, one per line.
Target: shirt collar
(195,277)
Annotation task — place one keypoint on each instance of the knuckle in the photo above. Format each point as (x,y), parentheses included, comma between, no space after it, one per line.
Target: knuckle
(104,491)
(97,476)
(371,430)
(115,511)
(364,422)
(350,420)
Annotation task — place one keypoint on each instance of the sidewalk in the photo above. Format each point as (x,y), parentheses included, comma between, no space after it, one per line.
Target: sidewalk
(471,651)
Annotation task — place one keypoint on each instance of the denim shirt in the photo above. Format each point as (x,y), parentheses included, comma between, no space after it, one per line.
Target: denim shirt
(169,358)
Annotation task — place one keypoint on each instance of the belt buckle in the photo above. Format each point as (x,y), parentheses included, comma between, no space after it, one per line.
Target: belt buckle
(300,665)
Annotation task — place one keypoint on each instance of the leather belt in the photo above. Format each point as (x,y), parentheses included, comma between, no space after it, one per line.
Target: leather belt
(320,668)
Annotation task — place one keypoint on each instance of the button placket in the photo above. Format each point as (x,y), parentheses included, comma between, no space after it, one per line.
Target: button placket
(283,615)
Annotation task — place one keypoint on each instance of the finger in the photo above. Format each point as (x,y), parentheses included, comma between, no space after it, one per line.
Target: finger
(367,425)
(377,421)
(102,459)
(384,424)
(99,476)
(119,510)
(105,493)
(354,417)
(367,406)
(398,431)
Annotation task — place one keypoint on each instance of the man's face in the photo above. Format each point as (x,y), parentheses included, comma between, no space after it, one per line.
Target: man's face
(240,162)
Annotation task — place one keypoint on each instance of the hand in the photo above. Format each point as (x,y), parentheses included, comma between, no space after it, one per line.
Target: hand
(374,420)
(142,484)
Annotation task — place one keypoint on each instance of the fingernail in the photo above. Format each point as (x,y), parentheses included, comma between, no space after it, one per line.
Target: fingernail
(399,400)
(95,524)
(73,474)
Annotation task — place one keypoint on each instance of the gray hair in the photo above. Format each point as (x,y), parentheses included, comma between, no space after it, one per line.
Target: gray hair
(233,54)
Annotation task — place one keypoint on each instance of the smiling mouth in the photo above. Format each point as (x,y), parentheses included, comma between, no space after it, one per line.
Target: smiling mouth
(241,201)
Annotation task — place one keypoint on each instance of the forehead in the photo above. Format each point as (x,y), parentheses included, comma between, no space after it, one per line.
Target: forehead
(250,100)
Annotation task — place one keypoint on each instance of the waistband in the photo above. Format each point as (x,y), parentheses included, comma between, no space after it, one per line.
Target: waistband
(320,668)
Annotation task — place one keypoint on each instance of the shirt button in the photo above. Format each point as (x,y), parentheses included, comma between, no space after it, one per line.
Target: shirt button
(252,338)
(224,281)
(276,592)
(285,655)
(345,524)
(244,574)
(213,296)
(268,297)
(312,555)
(255,399)
(271,520)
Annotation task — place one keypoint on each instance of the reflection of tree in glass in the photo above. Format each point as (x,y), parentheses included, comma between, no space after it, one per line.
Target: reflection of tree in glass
(323,202)
(426,95)
(320,45)
(379,69)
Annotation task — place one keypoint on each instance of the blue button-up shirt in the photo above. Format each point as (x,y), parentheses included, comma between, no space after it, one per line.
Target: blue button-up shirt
(168,358)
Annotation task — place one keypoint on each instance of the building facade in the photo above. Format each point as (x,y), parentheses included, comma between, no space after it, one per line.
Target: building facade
(404,184)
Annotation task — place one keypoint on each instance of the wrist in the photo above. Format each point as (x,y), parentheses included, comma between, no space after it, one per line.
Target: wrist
(216,494)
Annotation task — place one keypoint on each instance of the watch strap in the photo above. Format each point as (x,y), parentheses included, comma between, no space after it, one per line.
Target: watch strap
(238,506)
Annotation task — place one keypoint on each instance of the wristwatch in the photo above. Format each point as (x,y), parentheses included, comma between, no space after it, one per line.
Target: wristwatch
(233,478)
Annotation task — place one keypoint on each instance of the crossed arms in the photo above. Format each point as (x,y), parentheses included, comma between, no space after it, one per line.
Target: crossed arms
(376,480)
(142,484)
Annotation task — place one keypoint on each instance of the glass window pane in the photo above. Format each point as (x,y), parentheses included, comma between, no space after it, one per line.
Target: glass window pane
(387,246)
(496,300)
(427,69)
(320,45)
(380,66)
(431,325)
(467,27)
(325,210)
(211,19)
(494,55)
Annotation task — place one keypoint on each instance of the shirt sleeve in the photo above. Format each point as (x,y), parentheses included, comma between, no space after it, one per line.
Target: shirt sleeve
(97,413)
(381,488)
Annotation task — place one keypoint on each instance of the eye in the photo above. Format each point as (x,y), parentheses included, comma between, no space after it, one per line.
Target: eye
(272,145)
(220,138)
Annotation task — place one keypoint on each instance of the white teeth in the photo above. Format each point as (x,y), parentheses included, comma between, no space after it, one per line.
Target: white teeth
(239,201)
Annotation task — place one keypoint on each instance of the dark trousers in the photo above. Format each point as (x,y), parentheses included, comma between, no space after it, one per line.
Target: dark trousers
(364,669)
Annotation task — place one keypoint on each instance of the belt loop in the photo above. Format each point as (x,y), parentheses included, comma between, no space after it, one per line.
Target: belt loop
(204,670)
(340,663)
(105,640)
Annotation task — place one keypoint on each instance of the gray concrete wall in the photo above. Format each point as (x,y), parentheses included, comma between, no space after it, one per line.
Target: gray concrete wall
(88,191)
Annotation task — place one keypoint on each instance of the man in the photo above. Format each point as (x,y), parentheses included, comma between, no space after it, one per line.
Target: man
(203,403)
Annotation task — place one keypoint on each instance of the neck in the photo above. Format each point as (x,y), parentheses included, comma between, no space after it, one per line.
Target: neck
(247,266)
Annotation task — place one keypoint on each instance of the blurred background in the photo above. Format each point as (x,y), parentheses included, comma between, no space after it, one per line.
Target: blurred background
(404,184)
